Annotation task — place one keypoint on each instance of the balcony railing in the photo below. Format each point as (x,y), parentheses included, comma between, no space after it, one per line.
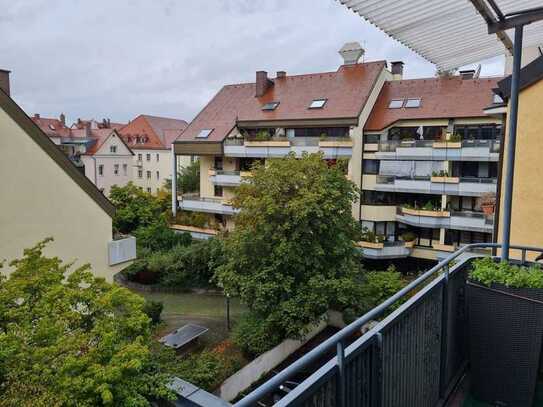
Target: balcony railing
(196,203)
(121,250)
(465,150)
(462,186)
(385,250)
(331,147)
(227,178)
(456,220)
(414,357)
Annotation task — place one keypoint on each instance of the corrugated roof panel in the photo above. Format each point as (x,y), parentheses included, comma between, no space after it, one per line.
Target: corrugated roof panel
(448,33)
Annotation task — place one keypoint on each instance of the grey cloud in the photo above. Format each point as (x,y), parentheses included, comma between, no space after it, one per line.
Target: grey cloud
(121,58)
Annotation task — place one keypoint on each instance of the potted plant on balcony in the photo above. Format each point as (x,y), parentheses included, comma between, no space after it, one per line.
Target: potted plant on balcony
(409,239)
(488,202)
(505,312)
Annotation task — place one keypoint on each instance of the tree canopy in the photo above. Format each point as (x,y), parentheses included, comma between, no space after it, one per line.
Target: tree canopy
(188,179)
(68,338)
(291,255)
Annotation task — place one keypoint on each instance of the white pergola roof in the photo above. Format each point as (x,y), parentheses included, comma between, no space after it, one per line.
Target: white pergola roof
(448,33)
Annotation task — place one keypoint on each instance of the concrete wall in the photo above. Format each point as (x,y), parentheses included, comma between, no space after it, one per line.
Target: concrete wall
(40,200)
(527,215)
(263,364)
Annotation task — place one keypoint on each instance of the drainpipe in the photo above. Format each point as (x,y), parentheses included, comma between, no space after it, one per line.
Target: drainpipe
(511,143)
(174,182)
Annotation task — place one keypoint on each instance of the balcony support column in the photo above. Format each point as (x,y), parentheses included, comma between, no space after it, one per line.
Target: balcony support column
(444,333)
(340,352)
(511,143)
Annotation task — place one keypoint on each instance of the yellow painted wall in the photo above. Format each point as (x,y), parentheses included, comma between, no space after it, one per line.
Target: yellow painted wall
(38,200)
(206,187)
(527,215)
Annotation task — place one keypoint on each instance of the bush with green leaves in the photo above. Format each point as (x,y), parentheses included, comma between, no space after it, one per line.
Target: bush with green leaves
(255,335)
(158,236)
(487,272)
(68,338)
(153,309)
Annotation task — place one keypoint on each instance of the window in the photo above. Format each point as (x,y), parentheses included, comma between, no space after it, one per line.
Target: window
(140,174)
(217,164)
(125,169)
(157,175)
(218,190)
(139,157)
(116,169)
(148,174)
(370,166)
(149,189)
(317,104)
(270,106)
(395,104)
(204,133)
(157,157)
(497,99)
(372,138)
(101,170)
(112,149)
(148,157)
(413,102)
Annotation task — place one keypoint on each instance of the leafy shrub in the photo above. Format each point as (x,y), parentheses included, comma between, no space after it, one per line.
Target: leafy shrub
(208,369)
(486,271)
(153,309)
(255,335)
(158,236)
(408,236)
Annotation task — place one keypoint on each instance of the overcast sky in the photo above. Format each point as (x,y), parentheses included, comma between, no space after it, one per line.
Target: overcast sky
(120,58)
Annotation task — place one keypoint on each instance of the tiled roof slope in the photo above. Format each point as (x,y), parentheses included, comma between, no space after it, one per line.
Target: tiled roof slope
(52,127)
(441,98)
(154,132)
(346,91)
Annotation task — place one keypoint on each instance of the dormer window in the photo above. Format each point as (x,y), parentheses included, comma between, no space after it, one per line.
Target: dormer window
(415,102)
(497,99)
(52,127)
(204,133)
(317,103)
(395,104)
(270,106)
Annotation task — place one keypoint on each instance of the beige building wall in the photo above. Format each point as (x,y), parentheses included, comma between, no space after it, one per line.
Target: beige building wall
(159,165)
(40,200)
(527,213)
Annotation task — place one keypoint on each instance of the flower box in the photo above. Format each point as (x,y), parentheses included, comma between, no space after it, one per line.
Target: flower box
(446,180)
(447,144)
(422,212)
(268,143)
(371,245)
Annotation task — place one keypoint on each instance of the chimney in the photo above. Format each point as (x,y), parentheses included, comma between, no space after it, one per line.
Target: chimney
(397,70)
(262,83)
(351,52)
(62,119)
(467,74)
(36,115)
(281,74)
(4,80)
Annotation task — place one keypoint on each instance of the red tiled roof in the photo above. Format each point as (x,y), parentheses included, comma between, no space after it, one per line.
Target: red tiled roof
(441,98)
(153,132)
(100,136)
(51,127)
(346,91)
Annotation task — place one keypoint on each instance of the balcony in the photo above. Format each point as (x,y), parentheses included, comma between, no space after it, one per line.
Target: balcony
(227,178)
(414,357)
(466,150)
(462,186)
(385,250)
(196,203)
(197,233)
(457,220)
(332,148)
(121,250)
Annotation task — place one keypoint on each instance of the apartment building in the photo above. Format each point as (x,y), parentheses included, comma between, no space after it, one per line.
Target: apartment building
(150,138)
(272,117)
(430,159)
(46,195)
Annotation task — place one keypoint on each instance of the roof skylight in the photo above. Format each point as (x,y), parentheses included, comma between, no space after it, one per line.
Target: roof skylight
(204,133)
(270,106)
(414,102)
(395,104)
(317,104)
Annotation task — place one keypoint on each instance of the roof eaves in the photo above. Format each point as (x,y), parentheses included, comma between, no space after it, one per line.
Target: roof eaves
(33,130)
(530,74)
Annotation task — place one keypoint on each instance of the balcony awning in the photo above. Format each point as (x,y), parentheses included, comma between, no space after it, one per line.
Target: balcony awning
(450,33)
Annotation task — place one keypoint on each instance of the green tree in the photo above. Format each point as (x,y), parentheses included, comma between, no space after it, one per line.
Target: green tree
(292,255)
(188,180)
(68,338)
(135,207)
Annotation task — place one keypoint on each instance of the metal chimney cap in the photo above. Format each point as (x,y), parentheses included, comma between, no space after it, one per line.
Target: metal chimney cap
(351,52)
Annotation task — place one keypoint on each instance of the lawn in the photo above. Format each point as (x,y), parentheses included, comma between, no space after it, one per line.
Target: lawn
(208,310)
